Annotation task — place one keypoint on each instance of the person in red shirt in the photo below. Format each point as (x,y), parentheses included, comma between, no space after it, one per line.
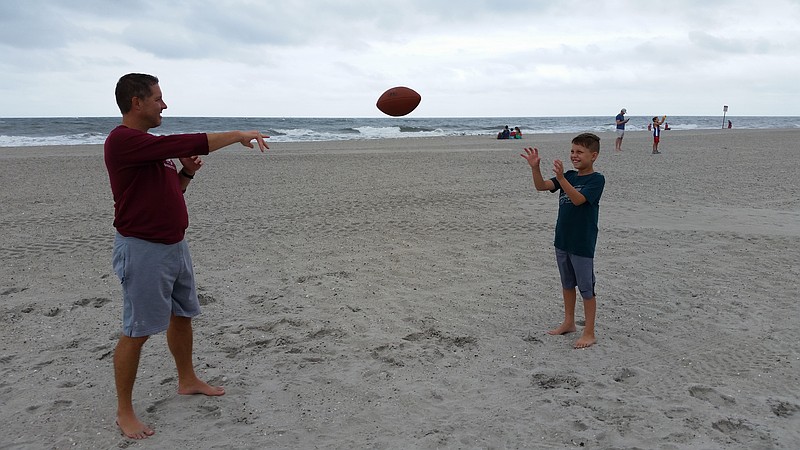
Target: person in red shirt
(150,254)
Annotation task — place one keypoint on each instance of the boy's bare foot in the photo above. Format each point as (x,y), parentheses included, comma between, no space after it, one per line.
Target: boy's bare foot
(585,341)
(564,328)
(200,387)
(134,429)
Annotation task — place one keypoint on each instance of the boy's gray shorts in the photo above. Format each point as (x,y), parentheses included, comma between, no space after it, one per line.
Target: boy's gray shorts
(157,281)
(576,271)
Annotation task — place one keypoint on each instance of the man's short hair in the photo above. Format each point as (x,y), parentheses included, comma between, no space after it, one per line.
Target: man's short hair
(588,140)
(133,85)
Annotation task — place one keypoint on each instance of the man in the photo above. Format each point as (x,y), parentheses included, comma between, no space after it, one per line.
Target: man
(505,133)
(150,254)
(621,121)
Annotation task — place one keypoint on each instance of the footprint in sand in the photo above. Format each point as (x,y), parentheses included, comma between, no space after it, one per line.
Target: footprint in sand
(783,409)
(555,381)
(740,431)
(712,396)
(97,302)
(624,375)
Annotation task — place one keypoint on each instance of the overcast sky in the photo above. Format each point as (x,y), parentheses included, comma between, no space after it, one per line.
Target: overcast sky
(465,57)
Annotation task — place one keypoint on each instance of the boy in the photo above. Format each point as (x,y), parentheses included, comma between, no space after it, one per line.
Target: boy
(576,228)
(657,133)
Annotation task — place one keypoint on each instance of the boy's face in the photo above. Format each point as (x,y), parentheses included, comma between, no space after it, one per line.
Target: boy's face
(582,158)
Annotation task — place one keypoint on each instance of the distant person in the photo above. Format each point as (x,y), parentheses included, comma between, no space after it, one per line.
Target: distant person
(621,121)
(730,124)
(657,133)
(517,133)
(150,254)
(666,126)
(576,228)
(505,134)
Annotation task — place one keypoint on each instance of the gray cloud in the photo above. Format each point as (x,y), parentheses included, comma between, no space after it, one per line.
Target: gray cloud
(716,44)
(335,51)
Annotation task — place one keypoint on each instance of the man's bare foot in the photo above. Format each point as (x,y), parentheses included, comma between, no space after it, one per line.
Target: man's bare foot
(585,341)
(564,328)
(200,387)
(134,429)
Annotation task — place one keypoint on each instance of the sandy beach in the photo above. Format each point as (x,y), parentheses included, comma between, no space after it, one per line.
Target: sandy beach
(396,294)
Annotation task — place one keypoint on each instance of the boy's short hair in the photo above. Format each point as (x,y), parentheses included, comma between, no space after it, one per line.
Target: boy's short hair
(655,119)
(133,85)
(589,141)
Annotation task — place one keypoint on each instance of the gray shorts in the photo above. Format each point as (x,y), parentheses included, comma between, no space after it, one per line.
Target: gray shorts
(157,282)
(620,132)
(576,271)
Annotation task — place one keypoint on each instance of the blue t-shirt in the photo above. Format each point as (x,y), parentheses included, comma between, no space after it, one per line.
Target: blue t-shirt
(576,228)
(620,126)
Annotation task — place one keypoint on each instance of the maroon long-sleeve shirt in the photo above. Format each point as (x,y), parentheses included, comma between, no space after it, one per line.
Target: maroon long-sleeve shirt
(148,201)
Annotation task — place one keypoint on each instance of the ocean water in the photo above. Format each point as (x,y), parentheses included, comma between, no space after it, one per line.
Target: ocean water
(20,132)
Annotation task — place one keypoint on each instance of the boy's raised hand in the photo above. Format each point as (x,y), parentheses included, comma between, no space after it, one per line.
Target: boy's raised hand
(558,169)
(532,155)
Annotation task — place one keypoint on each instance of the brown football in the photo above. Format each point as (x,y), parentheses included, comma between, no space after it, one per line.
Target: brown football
(398,101)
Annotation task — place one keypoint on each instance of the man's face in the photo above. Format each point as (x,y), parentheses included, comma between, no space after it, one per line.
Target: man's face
(151,107)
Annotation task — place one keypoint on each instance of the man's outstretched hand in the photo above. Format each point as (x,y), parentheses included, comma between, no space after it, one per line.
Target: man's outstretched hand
(249,136)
